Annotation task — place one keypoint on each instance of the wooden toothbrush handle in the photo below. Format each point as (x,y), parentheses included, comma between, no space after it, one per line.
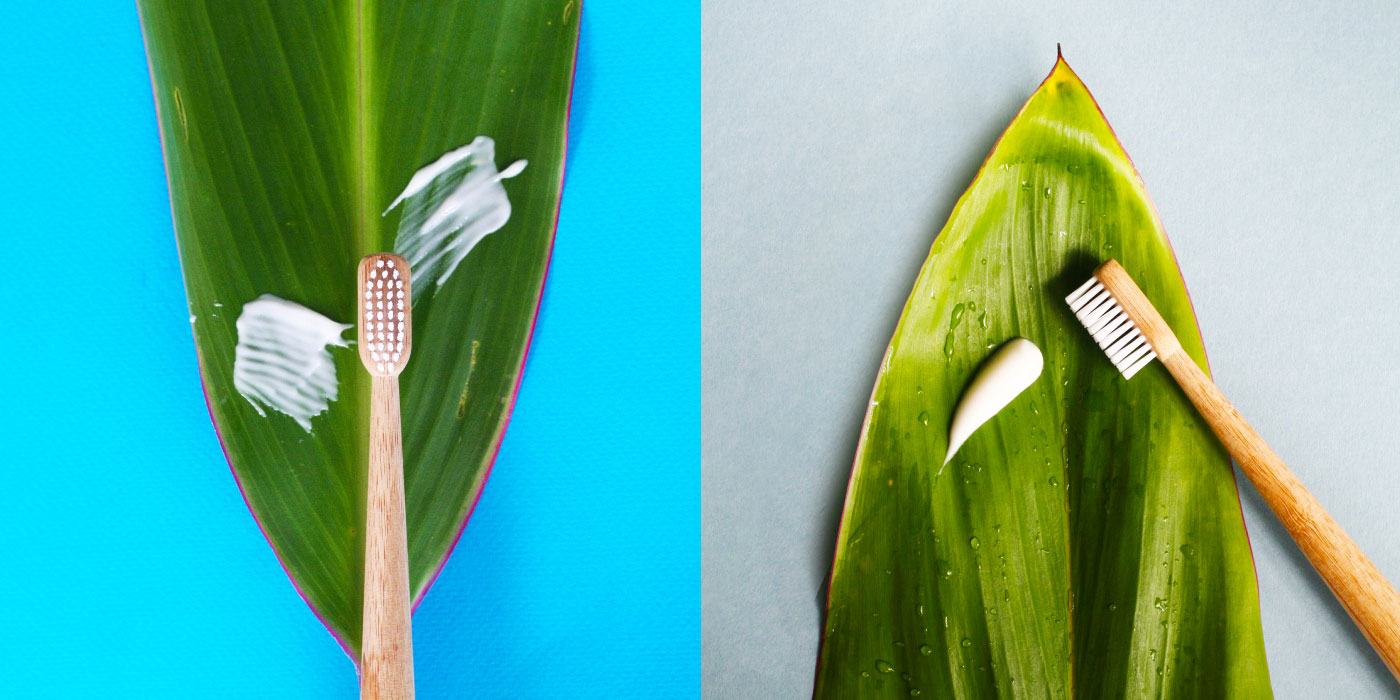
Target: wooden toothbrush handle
(386,649)
(1374,604)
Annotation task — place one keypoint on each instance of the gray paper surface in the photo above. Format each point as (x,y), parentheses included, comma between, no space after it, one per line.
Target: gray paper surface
(836,137)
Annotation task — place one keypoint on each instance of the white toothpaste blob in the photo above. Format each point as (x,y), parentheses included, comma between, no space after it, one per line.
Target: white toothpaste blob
(1011,369)
(449,205)
(281,360)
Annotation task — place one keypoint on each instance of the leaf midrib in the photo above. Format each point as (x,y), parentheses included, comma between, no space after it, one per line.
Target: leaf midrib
(364,230)
(361,77)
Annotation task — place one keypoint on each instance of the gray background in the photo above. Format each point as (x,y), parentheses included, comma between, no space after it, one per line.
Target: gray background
(836,138)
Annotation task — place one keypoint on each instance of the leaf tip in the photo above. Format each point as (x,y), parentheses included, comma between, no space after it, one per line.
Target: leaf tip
(1061,65)
(1061,75)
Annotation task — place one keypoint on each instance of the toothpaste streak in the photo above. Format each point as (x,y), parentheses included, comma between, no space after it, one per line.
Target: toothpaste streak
(281,361)
(449,205)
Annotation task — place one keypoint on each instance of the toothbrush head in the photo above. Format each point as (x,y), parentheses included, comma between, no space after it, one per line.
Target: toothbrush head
(385,317)
(1121,319)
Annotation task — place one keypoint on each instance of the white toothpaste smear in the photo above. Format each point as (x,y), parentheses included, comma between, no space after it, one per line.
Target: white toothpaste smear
(281,361)
(449,205)
(1010,371)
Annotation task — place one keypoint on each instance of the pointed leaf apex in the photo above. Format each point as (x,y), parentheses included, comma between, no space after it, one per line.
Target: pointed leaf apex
(1062,69)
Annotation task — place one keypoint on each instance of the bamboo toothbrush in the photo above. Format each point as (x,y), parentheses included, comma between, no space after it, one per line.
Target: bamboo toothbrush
(385,338)
(1127,327)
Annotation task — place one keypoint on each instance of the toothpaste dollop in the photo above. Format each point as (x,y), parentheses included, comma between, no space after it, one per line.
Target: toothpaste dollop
(281,361)
(449,205)
(1010,370)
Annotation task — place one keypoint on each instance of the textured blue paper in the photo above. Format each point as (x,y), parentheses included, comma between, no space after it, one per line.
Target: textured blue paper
(133,569)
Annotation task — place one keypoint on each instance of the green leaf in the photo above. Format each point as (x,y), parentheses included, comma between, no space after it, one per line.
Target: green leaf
(1086,542)
(288,128)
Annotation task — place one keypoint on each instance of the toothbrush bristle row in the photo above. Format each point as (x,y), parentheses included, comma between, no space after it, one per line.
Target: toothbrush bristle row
(1111,327)
(384,306)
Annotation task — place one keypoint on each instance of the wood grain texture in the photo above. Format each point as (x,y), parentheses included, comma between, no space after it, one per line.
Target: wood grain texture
(386,663)
(1370,600)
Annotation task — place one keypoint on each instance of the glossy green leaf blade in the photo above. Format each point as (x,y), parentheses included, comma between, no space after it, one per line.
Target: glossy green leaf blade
(1087,541)
(288,127)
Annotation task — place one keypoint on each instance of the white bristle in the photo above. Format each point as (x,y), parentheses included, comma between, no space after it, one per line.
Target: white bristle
(1082,288)
(1124,345)
(383,287)
(1113,315)
(1146,359)
(1082,295)
(1111,328)
(1111,331)
(1096,309)
(1130,354)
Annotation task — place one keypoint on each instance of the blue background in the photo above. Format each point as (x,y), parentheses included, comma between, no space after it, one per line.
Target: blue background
(132,567)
